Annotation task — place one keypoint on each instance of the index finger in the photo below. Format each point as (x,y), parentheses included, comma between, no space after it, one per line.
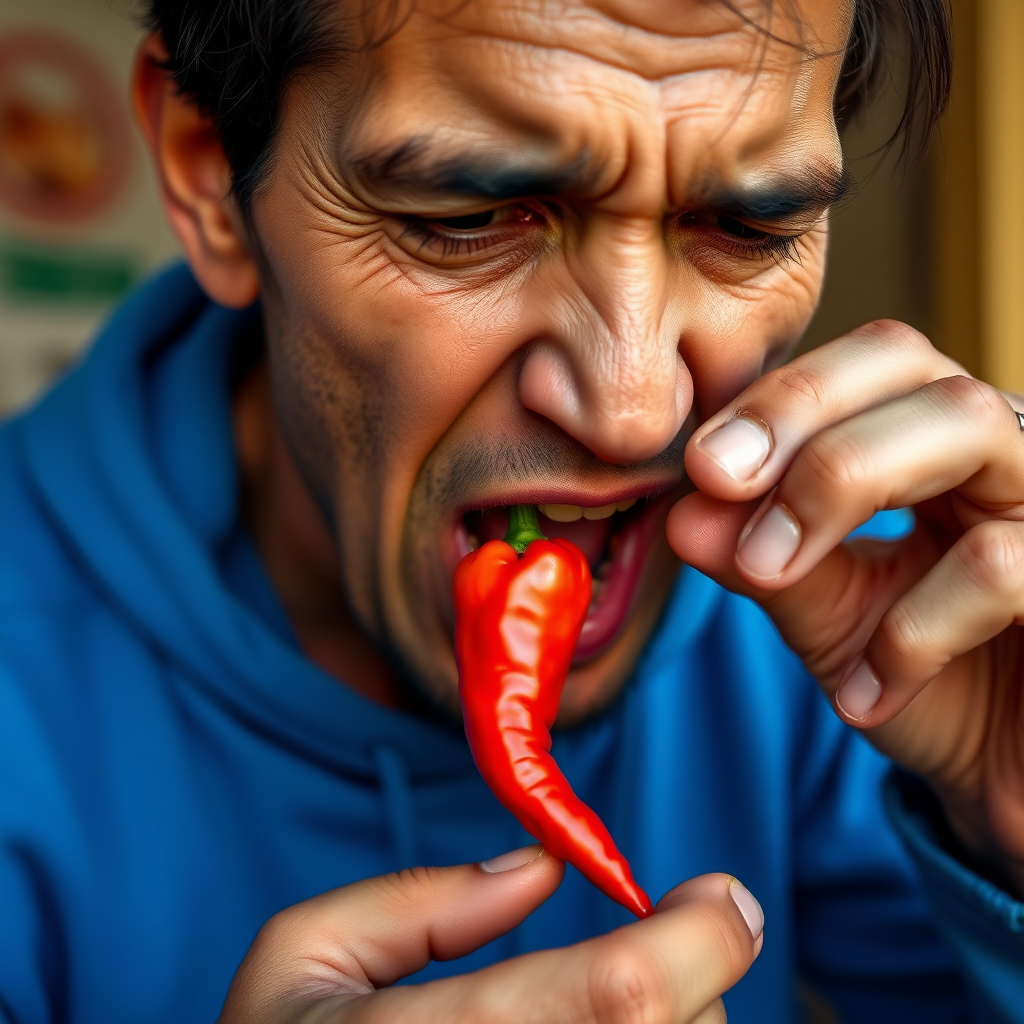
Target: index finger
(671,966)
(743,450)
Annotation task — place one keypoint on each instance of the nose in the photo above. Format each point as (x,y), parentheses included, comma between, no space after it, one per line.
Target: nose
(608,369)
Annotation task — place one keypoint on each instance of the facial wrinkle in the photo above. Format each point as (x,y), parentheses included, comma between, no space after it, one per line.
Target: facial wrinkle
(404,160)
(664,45)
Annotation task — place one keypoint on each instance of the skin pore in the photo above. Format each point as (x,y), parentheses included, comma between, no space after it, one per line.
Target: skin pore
(519,264)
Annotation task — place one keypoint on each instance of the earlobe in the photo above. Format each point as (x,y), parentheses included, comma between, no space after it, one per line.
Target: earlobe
(195,181)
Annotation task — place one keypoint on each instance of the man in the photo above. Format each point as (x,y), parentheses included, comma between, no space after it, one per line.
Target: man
(509,253)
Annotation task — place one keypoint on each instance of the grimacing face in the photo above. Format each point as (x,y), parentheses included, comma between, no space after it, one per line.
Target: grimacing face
(516,253)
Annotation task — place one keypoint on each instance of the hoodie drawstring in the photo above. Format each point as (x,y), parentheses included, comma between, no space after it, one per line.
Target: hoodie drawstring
(394,783)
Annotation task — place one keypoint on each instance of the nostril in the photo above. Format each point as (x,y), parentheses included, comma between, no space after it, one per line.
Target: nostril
(627,441)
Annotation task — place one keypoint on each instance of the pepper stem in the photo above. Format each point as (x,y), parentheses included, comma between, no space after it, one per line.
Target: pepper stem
(522,527)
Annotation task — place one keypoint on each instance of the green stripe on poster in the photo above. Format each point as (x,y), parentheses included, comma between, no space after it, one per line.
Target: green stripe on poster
(33,274)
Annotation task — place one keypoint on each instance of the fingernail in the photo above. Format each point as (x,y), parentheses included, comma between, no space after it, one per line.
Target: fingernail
(740,447)
(859,694)
(749,907)
(771,544)
(513,859)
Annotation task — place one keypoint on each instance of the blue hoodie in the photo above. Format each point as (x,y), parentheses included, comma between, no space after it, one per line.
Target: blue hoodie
(174,771)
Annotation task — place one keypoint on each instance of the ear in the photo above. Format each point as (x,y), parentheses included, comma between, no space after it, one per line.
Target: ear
(195,181)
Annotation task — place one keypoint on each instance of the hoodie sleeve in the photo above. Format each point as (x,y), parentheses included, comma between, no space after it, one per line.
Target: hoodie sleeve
(891,927)
(983,924)
(867,941)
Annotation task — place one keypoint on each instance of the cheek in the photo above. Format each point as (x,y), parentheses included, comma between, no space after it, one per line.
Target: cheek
(357,357)
(357,344)
(373,364)
(328,434)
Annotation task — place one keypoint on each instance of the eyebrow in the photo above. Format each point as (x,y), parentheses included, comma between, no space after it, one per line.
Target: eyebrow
(809,191)
(411,166)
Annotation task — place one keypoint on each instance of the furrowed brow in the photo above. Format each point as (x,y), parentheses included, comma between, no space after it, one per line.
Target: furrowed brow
(789,197)
(411,166)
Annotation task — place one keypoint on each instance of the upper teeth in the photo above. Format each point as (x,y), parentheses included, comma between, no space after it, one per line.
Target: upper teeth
(570,513)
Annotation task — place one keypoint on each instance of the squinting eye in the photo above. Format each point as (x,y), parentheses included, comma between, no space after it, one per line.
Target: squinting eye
(740,239)
(738,229)
(467,222)
(473,234)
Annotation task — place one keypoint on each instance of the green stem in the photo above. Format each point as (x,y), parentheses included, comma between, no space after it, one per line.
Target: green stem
(522,527)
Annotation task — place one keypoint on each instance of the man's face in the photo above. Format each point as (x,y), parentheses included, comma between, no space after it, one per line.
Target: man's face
(514,254)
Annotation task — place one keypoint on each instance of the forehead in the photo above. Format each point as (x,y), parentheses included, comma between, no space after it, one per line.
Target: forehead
(674,90)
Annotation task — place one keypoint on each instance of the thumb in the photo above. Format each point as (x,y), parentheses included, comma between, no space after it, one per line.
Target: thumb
(371,933)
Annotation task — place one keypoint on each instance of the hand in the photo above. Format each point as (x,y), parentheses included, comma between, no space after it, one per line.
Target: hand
(920,642)
(325,959)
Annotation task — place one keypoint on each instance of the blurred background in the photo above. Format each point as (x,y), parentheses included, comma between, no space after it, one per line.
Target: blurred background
(80,223)
(939,245)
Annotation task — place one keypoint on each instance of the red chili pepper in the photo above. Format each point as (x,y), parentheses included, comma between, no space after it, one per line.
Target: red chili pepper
(520,604)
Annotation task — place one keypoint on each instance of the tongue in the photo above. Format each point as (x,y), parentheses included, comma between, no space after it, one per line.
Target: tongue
(590,537)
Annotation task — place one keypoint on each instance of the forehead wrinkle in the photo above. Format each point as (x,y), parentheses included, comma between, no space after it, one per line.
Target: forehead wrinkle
(641,66)
(673,40)
(524,56)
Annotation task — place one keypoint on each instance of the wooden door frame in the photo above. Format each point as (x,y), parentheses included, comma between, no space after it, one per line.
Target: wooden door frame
(977,197)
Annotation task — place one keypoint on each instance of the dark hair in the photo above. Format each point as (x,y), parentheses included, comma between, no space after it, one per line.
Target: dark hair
(235,58)
(924,29)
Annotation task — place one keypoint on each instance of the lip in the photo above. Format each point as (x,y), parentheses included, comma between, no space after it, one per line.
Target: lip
(616,593)
(611,607)
(456,546)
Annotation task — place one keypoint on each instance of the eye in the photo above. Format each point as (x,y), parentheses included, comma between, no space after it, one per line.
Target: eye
(467,222)
(474,237)
(737,238)
(736,228)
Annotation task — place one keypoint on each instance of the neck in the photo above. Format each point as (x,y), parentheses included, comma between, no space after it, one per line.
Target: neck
(298,551)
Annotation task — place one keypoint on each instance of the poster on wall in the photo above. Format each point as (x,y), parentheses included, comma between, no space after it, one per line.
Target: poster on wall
(80,223)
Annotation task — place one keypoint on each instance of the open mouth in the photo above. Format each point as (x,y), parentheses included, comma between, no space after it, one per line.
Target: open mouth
(615,538)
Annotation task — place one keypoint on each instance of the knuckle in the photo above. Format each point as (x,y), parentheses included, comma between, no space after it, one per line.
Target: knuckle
(995,556)
(835,461)
(809,387)
(408,887)
(419,878)
(625,987)
(279,930)
(903,630)
(975,397)
(896,334)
